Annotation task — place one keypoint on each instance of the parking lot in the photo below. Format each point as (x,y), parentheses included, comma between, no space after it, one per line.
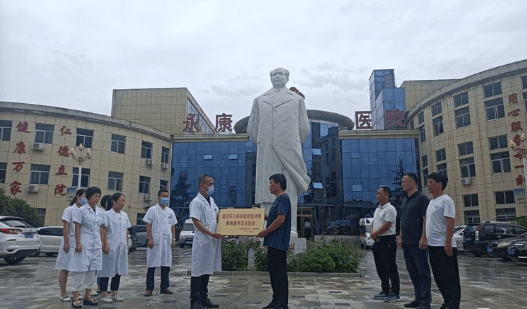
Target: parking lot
(485,282)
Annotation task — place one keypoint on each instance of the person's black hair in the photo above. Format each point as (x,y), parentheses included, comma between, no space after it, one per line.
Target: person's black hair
(413,176)
(387,190)
(439,177)
(78,195)
(161,191)
(116,196)
(279,178)
(106,202)
(91,191)
(202,177)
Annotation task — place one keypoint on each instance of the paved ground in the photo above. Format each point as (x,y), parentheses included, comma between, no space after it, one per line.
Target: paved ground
(486,283)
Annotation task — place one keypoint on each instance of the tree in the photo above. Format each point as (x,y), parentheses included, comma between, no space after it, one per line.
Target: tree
(19,208)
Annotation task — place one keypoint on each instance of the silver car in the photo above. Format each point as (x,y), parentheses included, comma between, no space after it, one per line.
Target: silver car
(49,238)
(17,239)
(458,236)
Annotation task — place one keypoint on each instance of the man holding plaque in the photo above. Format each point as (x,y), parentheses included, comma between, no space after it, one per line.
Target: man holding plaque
(206,246)
(277,236)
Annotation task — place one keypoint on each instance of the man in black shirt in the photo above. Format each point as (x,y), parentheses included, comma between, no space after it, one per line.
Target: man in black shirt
(412,240)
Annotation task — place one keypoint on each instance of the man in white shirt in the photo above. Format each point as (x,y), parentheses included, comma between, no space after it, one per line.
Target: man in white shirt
(385,246)
(440,221)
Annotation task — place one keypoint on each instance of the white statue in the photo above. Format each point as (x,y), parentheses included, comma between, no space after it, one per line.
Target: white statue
(278,125)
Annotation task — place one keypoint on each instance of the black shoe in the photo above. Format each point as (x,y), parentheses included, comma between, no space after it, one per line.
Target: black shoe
(196,305)
(381,295)
(208,304)
(270,306)
(421,306)
(413,304)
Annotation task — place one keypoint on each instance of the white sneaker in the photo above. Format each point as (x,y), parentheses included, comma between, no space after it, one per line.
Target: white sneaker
(94,293)
(117,298)
(106,299)
(66,298)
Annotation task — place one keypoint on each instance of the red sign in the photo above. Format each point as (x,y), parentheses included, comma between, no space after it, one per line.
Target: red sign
(517,140)
(363,120)
(516,126)
(62,170)
(519,180)
(23,127)
(395,119)
(191,125)
(515,112)
(19,166)
(20,148)
(64,130)
(513,98)
(59,189)
(223,123)
(15,187)
(64,151)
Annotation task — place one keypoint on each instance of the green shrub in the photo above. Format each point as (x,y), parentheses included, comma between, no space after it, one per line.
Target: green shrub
(522,220)
(260,255)
(338,256)
(233,255)
(19,208)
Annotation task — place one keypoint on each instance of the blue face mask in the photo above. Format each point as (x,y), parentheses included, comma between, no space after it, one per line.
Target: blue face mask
(165,200)
(210,190)
(84,201)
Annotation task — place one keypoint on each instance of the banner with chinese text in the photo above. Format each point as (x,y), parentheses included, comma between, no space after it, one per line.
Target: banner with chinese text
(241,221)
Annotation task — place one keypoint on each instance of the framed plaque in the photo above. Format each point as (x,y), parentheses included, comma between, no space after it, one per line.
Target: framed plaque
(241,221)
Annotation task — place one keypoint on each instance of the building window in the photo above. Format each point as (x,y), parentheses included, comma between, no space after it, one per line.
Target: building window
(524,82)
(144,184)
(3,171)
(470,200)
(440,155)
(462,117)
(472,216)
(504,197)
(500,162)
(436,109)
(421,117)
(5,130)
(465,148)
(118,143)
(85,177)
(411,124)
(44,133)
(422,134)
(438,125)
(84,137)
(441,168)
(495,109)
(146,150)
(39,174)
(498,142)
(163,184)
(492,89)
(165,154)
(425,176)
(468,168)
(460,99)
(115,181)
(525,99)
(505,214)
(424,160)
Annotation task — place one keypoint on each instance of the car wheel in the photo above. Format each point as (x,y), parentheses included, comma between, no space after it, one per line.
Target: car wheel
(50,254)
(14,260)
(477,254)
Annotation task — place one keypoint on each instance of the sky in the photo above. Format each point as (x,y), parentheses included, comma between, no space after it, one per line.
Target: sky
(72,54)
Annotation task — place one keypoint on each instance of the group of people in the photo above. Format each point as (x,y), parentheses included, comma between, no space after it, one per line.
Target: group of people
(95,244)
(426,238)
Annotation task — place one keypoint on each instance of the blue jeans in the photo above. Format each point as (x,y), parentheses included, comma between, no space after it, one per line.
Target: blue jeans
(164,278)
(419,271)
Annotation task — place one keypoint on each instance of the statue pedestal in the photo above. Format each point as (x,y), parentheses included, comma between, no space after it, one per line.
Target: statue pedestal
(297,245)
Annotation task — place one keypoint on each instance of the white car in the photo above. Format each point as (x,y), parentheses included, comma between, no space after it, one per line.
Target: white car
(49,238)
(186,237)
(365,228)
(458,236)
(17,239)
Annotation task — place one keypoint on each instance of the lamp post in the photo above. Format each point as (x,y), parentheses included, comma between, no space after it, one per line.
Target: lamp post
(81,158)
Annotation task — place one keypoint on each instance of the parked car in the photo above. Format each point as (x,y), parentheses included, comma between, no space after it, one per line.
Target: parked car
(458,237)
(365,228)
(140,231)
(186,237)
(133,240)
(518,250)
(49,238)
(498,248)
(17,239)
(477,235)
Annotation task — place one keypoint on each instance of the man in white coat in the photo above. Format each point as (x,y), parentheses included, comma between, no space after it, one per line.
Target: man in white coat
(278,125)
(161,235)
(206,247)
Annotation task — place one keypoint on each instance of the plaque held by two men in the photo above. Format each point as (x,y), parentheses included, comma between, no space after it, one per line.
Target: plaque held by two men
(241,221)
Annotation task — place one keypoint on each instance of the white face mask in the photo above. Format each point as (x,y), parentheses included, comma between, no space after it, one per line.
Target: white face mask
(210,190)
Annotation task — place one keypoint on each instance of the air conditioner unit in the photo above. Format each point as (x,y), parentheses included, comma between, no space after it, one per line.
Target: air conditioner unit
(165,166)
(149,162)
(38,146)
(148,197)
(466,181)
(32,188)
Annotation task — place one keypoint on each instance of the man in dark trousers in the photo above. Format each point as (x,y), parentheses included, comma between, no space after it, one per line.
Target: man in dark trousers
(277,236)
(412,240)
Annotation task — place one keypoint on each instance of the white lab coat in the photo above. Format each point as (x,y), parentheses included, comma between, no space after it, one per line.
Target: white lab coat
(63,258)
(206,250)
(116,261)
(161,221)
(91,256)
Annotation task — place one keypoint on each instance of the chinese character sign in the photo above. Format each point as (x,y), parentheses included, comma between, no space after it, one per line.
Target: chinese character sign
(223,123)
(395,119)
(64,151)
(23,126)
(15,187)
(513,99)
(18,166)
(59,189)
(20,148)
(65,130)
(62,170)
(363,120)
(241,221)
(191,125)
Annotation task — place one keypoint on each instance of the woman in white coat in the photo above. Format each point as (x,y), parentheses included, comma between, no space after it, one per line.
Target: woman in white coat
(68,241)
(114,234)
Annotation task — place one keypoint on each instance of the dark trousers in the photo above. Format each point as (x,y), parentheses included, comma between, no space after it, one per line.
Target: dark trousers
(419,271)
(446,275)
(164,278)
(199,288)
(116,280)
(384,253)
(277,261)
